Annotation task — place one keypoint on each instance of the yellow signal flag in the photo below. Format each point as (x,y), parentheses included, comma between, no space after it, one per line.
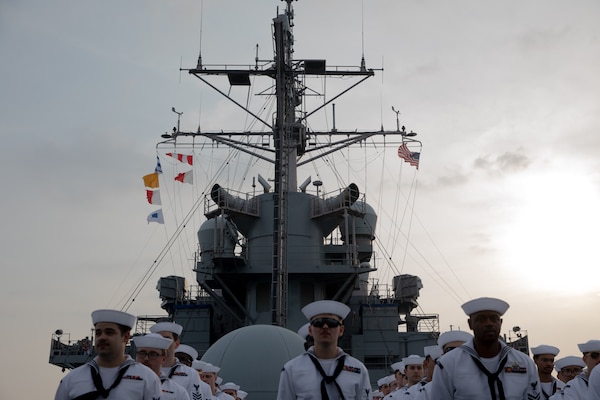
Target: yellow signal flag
(151,180)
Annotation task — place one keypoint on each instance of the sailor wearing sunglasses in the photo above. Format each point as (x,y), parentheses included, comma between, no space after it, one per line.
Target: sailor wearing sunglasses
(324,371)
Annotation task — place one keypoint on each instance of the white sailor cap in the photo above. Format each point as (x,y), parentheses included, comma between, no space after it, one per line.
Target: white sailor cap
(114,316)
(413,359)
(325,307)
(167,327)
(485,304)
(208,367)
(382,381)
(198,365)
(189,350)
(376,393)
(241,394)
(567,362)
(453,336)
(590,345)
(230,385)
(153,340)
(544,349)
(434,352)
(386,380)
(303,331)
(398,366)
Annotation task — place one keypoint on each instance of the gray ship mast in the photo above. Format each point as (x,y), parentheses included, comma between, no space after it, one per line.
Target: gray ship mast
(289,132)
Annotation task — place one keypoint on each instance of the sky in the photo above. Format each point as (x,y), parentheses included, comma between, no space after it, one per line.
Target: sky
(504,96)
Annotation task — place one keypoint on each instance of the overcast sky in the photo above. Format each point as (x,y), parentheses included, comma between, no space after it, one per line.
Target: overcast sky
(505,97)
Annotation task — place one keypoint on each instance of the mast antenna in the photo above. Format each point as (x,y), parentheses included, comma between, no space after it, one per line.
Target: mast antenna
(397,119)
(199,64)
(363,66)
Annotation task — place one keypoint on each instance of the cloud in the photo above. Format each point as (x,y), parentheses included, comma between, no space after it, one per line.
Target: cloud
(453,178)
(504,163)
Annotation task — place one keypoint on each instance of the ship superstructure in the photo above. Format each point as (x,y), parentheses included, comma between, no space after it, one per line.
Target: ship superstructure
(263,256)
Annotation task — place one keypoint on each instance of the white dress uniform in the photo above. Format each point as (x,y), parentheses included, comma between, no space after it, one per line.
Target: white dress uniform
(423,393)
(458,377)
(190,380)
(594,384)
(300,378)
(575,389)
(395,392)
(551,388)
(223,396)
(137,382)
(409,393)
(171,390)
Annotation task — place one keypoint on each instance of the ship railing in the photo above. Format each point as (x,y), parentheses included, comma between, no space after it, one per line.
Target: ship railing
(265,67)
(61,345)
(418,322)
(337,201)
(239,202)
(383,292)
(518,339)
(198,295)
(194,294)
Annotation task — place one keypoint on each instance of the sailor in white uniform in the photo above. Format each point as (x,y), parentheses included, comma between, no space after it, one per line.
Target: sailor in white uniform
(452,339)
(111,374)
(186,354)
(594,385)
(484,367)
(151,350)
(432,353)
(383,384)
(401,381)
(174,369)
(231,389)
(568,368)
(324,371)
(577,388)
(414,371)
(376,395)
(543,357)
(210,376)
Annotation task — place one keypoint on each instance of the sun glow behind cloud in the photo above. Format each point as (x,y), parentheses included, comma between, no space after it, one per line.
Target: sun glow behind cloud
(551,240)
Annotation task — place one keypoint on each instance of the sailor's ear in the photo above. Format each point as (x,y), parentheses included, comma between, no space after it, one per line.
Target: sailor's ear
(469,321)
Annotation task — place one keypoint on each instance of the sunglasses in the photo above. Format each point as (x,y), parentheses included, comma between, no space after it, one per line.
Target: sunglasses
(594,354)
(330,322)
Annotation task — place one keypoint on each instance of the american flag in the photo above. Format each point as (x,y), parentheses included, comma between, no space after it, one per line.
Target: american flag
(411,157)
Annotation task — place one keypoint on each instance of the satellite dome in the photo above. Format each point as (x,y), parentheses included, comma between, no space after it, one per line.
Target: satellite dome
(253,356)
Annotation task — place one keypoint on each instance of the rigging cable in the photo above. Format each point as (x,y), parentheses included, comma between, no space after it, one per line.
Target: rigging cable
(171,241)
